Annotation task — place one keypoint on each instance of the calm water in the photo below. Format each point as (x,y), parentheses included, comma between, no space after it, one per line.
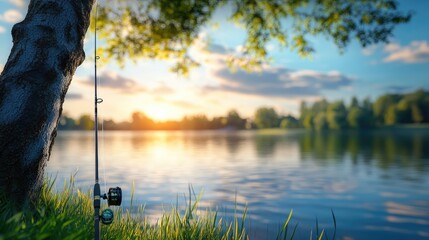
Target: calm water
(376,182)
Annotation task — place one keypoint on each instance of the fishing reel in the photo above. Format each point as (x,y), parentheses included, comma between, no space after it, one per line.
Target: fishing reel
(107,216)
(114,198)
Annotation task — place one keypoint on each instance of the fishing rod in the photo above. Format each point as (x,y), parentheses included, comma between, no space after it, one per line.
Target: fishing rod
(114,196)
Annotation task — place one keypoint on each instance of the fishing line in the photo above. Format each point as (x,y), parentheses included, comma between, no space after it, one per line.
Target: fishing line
(103,153)
(101,117)
(102,148)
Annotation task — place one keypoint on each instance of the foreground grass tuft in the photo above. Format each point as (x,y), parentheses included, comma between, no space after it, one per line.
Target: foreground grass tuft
(69,215)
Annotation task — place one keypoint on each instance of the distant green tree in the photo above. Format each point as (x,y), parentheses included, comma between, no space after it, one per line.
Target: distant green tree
(266,118)
(367,105)
(141,122)
(359,115)
(369,113)
(234,120)
(425,108)
(109,125)
(320,106)
(308,121)
(354,102)
(218,122)
(356,117)
(403,111)
(391,115)
(85,122)
(289,122)
(303,109)
(337,115)
(304,112)
(125,125)
(381,105)
(416,114)
(321,121)
(419,106)
(196,122)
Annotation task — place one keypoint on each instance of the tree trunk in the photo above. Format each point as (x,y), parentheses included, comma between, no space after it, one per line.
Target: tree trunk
(47,49)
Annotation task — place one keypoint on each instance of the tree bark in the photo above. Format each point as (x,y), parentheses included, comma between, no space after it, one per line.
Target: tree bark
(47,49)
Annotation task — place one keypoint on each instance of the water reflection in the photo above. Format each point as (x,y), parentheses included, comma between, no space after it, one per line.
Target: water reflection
(374,181)
(385,148)
(265,145)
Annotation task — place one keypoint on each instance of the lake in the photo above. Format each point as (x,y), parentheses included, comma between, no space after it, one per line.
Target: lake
(376,182)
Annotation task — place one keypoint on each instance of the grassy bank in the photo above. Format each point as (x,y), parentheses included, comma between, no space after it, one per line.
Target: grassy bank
(69,215)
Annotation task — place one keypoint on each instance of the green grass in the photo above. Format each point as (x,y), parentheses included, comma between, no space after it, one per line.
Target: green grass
(69,215)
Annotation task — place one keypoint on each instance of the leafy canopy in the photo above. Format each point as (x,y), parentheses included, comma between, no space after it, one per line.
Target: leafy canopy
(165,29)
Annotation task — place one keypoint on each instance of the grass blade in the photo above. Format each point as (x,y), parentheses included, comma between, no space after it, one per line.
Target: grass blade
(335,225)
(294,230)
(321,235)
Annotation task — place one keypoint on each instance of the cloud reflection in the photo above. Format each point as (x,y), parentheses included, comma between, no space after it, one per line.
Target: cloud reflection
(403,209)
(394,219)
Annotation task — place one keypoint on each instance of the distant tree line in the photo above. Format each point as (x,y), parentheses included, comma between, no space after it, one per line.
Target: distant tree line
(140,121)
(388,109)
(264,118)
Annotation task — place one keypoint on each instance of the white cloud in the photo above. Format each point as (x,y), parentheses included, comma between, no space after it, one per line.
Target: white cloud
(18,3)
(11,16)
(212,55)
(114,81)
(279,82)
(1,68)
(417,51)
(392,47)
(2,29)
(367,51)
(268,81)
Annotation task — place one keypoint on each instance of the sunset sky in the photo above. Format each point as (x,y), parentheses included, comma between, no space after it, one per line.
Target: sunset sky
(212,89)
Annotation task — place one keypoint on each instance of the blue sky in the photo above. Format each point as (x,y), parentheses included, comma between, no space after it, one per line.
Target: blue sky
(212,89)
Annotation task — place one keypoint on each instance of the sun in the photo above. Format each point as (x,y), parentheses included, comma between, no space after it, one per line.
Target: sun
(163,112)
